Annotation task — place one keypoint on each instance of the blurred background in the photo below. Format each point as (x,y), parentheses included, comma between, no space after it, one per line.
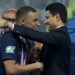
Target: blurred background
(40,6)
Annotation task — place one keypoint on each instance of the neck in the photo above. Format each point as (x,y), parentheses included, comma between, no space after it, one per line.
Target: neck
(59,24)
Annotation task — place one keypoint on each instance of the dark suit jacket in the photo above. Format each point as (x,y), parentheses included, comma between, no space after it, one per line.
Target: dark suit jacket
(55,52)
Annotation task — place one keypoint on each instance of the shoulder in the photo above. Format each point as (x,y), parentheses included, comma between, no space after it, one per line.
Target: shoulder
(8,34)
(8,37)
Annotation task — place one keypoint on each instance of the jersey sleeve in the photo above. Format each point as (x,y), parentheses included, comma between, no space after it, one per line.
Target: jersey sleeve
(8,47)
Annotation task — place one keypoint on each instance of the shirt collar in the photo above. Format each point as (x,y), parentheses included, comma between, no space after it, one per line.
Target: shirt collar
(59,26)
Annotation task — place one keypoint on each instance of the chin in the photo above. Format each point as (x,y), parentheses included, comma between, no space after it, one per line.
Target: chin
(35,28)
(49,29)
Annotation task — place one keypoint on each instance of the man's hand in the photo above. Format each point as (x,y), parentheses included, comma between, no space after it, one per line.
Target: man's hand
(36,50)
(2,22)
(39,65)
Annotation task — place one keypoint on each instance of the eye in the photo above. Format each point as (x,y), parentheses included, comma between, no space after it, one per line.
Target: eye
(35,20)
(47,17)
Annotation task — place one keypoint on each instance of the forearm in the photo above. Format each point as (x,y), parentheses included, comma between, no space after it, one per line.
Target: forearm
(46,38)
(26,68)
(30,34)
(16,69)
(43,37)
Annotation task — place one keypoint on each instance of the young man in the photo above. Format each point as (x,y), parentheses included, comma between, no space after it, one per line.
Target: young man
(10,16)
(14,49)
(55,53)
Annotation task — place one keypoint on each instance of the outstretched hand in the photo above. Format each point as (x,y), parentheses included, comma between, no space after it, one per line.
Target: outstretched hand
(9,24)
(2,21)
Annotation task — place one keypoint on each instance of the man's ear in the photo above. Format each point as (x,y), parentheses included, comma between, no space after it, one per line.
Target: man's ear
(57,17)
(22,21)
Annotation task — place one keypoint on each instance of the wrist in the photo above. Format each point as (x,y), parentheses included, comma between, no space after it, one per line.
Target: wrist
(8,25)
(38,65)
(5,24)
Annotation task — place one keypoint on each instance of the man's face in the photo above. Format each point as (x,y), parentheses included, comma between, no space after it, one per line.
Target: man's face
(10,16)
(31,20)
(50,20)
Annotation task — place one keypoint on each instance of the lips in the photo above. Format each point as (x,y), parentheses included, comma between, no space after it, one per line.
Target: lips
(36,28)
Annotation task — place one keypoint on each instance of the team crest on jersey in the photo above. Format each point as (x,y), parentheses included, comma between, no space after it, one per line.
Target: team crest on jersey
(10,49)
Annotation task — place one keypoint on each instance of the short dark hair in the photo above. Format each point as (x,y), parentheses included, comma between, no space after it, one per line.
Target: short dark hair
(58,8)
(23,11)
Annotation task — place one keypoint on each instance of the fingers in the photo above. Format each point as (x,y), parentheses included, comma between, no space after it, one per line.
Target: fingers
(39,65)
(2,21)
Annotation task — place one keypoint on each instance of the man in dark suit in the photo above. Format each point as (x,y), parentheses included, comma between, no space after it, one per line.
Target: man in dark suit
(55,52)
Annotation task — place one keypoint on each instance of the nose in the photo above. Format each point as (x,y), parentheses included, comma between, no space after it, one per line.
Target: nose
(45,21)
(38,24)
(11,21)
